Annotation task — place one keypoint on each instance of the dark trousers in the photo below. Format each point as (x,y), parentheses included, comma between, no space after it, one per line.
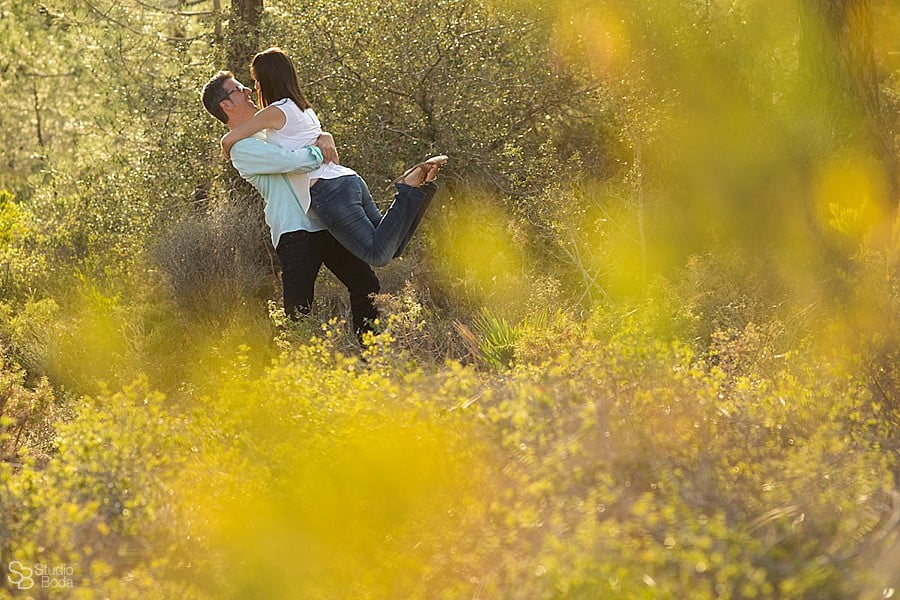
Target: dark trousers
(302,254)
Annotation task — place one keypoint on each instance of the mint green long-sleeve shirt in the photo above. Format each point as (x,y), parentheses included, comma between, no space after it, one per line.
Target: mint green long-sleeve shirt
(265,166)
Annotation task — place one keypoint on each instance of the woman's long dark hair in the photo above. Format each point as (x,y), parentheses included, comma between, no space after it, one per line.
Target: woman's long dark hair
(274,71)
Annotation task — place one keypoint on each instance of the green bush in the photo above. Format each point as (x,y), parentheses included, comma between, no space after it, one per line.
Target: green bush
(100,505)
(474,81)
(603,463)
(21,268)
(709,408)
(639,470)
(216,260)
(26,415)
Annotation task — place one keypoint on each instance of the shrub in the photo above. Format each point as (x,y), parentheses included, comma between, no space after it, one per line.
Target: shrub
(638,469)
(217,260)
(21,266)
(100,505)
(475,81)
(26,415)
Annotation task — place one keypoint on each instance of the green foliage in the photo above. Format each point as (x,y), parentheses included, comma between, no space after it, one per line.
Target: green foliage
(471,80)
(10,219)
(26,415)
(496,346)
(638,470)
(214,260)
(77,345)
(20,267)
(602,463)
(496,339)
(99,506)
(678,263)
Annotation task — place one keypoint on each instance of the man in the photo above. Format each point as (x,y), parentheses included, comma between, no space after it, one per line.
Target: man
(301,241)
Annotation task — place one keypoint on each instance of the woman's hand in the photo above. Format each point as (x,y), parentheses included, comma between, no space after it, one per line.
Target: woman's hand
(227,142)
(325,143)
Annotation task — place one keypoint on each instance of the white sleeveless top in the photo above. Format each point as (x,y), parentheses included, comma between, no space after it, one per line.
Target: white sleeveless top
(301,128)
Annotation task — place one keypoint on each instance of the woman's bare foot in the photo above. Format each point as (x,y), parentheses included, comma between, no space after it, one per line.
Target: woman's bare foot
(424,172)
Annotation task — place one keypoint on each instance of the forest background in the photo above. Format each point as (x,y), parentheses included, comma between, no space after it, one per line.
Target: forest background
(645,346)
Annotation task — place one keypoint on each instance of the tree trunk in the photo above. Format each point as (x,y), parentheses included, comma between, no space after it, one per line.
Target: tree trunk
(243,37)
(241,43)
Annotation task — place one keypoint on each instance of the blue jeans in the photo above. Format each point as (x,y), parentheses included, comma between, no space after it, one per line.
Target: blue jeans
(345,206)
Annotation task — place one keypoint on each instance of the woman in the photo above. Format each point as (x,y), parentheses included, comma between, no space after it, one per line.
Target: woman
(336,194)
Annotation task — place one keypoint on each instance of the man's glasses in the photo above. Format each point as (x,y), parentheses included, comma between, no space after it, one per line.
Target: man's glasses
(239,88)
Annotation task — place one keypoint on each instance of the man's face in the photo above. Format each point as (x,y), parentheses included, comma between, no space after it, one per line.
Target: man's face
(237,103)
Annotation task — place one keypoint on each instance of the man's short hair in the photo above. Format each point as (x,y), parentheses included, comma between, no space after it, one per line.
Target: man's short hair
(214,92)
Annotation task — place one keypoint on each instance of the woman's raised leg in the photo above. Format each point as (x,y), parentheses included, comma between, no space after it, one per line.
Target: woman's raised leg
(345,207)
(339,205)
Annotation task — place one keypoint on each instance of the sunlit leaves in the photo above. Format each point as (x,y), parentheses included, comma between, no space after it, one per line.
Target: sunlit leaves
(480,254)
(851,195)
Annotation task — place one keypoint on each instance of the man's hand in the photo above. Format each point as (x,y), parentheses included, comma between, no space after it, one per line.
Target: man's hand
(325,143)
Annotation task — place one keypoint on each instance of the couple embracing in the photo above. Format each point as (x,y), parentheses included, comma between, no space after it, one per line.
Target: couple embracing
(319,211)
